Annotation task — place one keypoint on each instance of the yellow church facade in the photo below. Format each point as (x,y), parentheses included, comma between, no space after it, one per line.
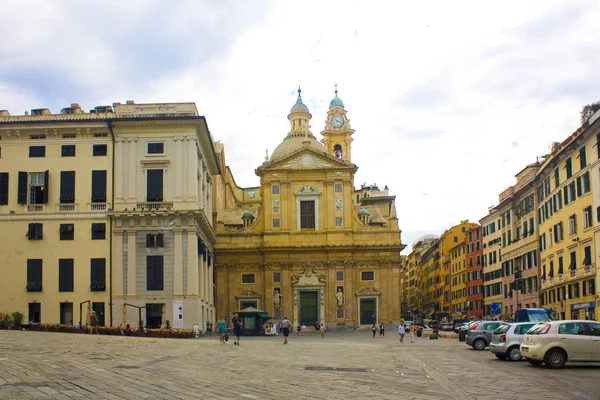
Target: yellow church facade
(306,244)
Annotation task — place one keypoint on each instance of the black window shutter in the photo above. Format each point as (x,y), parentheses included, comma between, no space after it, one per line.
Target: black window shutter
(3,188)
(67,187)
(99,186)
(46,186)
(65,272)
(158,267)
(149,240)
(39,231)
(160,240)
(98,274)
(150,273)
(22,188)
(154,185)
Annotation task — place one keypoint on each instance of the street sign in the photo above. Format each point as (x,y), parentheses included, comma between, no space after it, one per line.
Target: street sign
(494,306)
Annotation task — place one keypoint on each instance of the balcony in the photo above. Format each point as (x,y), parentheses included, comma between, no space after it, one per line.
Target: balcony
(35,208)
(66,208)
(561,277)
(98,207)
(150,206)
(573,273)
(587,270)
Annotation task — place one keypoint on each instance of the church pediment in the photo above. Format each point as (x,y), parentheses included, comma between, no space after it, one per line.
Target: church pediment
(247,294)
(368,290)
(308,277)
(307,159)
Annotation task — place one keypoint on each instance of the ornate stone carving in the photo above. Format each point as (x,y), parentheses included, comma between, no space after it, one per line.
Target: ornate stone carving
(266,184)
(285,184)
(308,277)
(307,189)
(248,293)
(347,183)
(328,182)
(368,290)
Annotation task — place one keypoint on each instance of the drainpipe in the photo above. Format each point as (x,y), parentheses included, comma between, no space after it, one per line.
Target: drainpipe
(110,223)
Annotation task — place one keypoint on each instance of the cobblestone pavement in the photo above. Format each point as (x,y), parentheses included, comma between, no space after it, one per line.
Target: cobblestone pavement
(36,365)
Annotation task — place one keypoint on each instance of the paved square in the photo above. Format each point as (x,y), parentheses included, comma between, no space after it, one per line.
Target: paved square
(36,365)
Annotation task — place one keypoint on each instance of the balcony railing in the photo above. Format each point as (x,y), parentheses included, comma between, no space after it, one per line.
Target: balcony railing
(573,273)
(561,277)
(36,208)
(150,206)
(98,206)
(66,208)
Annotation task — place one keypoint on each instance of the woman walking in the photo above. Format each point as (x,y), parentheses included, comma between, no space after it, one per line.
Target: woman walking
(323,330)
(221,329)
(401,331)
(374,329)
(381,328)
(411,329)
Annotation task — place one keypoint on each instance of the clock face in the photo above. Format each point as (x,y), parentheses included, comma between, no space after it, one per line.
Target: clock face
(337,121)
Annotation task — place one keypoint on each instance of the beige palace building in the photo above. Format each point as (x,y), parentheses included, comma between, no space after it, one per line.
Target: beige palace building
(111,208)
(306,244)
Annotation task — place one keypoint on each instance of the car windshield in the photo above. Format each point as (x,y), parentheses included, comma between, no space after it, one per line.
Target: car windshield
(536,329)
(539,316)
(501,329)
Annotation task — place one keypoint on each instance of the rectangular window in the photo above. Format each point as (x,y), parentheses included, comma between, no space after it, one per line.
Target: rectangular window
(66,313)
(99,150)
(99,231)
(587,255)
(37,151)
(582,158)
(587,217)
(67,187)
(556,178)
(98,274)
(339,275)
(155,240)
(276,223)
(67,231)
(248,278)
(307,215)
(275,189)
(337,188)
(568,167)
(35,231)
(367,276)
(572,225)
(339,221)
(67,150)
(154,273)
(154,185)
(586,182)
(560,265)
(65,275)
(156,148)
(68,136)
(34,275)
(3,188)
(573,263)
(33,188)
(276,277)
(99,186)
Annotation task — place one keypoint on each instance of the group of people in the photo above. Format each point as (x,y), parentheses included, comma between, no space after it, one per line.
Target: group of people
(381,328)
(402,331)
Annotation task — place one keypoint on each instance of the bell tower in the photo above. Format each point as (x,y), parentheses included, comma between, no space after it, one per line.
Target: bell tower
(337,135)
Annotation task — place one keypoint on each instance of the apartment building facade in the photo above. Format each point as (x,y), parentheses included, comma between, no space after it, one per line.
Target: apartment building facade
(491,258)
(473,256)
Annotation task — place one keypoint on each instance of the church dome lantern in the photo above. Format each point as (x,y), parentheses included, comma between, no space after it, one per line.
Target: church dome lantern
(336,101)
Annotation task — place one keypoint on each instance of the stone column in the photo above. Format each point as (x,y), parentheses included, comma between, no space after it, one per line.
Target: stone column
(120,162)
(178,169)
(295,299)
(131,264)
(192,169)
(118,283)
(178,263)
(132,181)
(192,264)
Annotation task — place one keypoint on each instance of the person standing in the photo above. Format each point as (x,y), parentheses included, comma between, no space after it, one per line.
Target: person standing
(237,329)
(401,331)
(381,328)
(411,329)
(94,323)
(221,329)
(374,329)
(323,330)
(285,327)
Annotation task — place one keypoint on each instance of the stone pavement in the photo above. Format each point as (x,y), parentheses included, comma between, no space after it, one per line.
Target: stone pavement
(38,365)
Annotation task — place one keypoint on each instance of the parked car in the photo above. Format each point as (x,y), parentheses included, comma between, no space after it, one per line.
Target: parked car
(554,343)
(479,334)
(461,326)
(507,339)
(446,327)
(533,315)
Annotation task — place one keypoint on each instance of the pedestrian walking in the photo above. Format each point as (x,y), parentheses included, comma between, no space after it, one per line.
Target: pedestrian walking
(381,328)
(237,329)
(401,331)
(374,329)
(411,329)
(285,327)
(94,323)
(299,329)
(323,330)
(302,329)
(221,329)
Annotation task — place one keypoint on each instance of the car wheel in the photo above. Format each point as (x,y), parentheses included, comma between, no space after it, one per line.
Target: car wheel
(479,344)
(535,362)
(514,354)
(555,358)
(500,356)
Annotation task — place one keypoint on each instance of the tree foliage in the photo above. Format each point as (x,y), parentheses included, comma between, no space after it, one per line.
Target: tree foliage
(588,110)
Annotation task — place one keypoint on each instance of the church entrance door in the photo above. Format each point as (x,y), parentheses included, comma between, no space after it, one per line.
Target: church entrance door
(367,311)
(309,307)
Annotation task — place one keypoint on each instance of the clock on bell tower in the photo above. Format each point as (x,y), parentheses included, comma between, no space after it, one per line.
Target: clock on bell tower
(337,135)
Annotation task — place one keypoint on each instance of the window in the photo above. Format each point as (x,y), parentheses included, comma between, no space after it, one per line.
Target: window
(367,276)
(582,158)
(568,167)
(337,188)
(154,240)
(67,150)
(66,313)
(69,136)
(99,186)
(592,287)
(339,275)
(339,221)
(276,277)
(154,272)
(3,188)
(35,311)
(67,187)
(248,278)
(572,225)
(99,150)
(33,188)
(275,189)
(98,231)
(307,214)
(37,151)
(587,255)
(35,232)
(154,185)
(65,275)
(156,148)
(556,178)
(34,275)
(98,274)
(587,217)
(276,223)
(67,231)
(573,263)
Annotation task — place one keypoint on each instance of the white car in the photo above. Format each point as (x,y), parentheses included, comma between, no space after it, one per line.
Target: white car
(507,339)
(554,343)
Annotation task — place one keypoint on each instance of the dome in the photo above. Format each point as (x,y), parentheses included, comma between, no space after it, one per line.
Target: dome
(336,102)
(363,212)
(293,143)
(299,107)
(247,214)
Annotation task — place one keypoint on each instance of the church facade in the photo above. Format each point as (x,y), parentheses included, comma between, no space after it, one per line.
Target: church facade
(306,244)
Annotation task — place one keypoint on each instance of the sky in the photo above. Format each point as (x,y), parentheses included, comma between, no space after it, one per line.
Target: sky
(449,99)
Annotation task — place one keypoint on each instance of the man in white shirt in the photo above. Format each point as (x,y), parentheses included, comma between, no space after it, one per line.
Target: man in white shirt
(401,332)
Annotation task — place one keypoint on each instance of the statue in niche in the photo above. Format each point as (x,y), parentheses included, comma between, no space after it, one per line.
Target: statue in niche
(339,295)
(277,297)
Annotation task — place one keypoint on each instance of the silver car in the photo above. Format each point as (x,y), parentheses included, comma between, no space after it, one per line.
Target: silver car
(507,339)
(479,334)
